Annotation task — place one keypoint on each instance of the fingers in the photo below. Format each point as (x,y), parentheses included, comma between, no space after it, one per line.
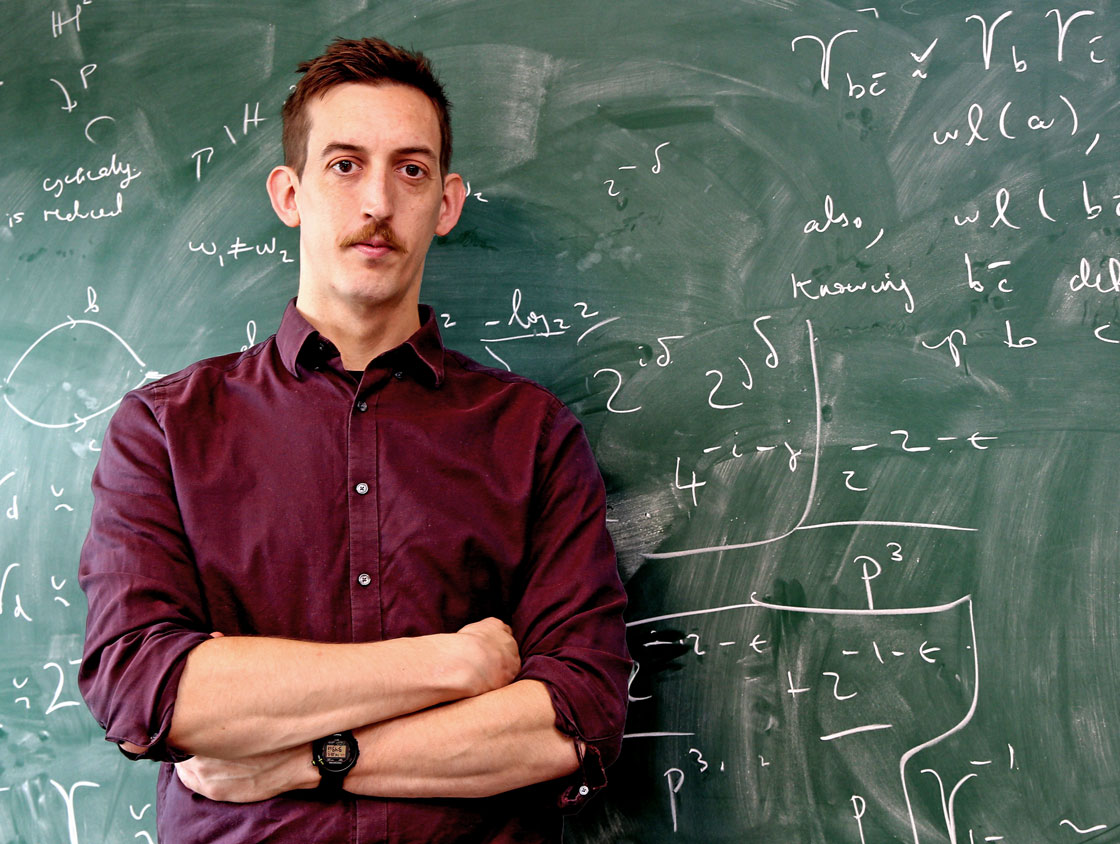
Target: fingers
(492,653)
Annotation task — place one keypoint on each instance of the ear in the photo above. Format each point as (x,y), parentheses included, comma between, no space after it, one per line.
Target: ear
(283,184)
(451,206)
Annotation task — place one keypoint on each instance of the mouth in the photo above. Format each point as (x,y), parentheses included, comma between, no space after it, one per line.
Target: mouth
(375,248)
(375,240)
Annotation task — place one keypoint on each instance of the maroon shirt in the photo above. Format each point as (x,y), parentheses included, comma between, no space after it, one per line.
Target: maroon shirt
(270,493)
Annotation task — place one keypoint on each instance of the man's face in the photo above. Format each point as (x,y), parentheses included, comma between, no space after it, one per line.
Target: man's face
(370,197)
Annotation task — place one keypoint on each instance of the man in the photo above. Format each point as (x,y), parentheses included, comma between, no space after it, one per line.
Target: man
(349,585)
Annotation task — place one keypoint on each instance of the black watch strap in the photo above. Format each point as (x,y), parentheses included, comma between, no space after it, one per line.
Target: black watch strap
(330,784)
(334,756)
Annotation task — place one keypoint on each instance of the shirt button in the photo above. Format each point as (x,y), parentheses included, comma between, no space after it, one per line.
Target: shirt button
(584,791)
(361,488)
(362,407)
(364,579)
(399,374)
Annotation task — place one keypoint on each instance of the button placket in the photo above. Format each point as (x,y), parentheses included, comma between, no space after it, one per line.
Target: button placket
(365,542)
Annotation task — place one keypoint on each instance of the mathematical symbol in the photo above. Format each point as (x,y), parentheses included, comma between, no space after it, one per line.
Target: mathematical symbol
(57,22)
(836,687)
(976,437)
(70,103)
(255,119)
(755,642)
(699,759)
(197,156)
(925,55)
(791,690)
(97,120)
(793,455)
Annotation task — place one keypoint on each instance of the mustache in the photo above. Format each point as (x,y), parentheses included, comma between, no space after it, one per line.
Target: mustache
(374,230)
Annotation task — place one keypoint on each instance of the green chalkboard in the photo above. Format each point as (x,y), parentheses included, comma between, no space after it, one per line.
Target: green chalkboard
(832,286)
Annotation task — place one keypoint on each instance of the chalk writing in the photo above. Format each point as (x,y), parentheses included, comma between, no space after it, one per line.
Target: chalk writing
(113,168)
(614,191)
(79,421)
(233,251)
(205,155)
(814,291)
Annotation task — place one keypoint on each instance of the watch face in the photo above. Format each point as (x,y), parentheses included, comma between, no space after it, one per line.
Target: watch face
(336,754)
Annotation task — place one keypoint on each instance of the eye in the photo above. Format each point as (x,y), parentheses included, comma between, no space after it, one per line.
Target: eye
(413,171)
(344,166)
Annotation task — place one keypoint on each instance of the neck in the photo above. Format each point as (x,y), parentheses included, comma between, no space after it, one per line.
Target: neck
(361,333)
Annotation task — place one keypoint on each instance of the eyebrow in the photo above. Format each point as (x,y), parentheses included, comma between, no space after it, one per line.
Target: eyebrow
(339,146)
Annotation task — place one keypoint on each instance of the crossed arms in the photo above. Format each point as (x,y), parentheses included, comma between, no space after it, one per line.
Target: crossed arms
(248,709)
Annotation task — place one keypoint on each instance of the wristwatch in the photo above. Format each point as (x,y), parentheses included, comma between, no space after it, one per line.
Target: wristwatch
(334,756)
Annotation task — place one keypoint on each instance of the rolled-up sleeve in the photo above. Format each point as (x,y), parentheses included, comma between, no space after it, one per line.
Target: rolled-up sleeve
(569,620)
(145,610)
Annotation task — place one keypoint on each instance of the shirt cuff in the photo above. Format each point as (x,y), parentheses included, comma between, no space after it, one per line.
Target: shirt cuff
(157,752)
(586,782)
(156,749)
(584,712)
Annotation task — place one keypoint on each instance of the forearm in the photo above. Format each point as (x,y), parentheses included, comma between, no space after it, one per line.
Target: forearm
(477,747)
(241,696)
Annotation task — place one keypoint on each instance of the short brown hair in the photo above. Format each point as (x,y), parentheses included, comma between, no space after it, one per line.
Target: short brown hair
(366,60)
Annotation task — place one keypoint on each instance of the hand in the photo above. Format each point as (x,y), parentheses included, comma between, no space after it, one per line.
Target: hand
(491,653)
(250,779)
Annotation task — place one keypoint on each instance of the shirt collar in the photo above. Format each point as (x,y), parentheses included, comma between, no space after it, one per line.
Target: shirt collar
(423,351)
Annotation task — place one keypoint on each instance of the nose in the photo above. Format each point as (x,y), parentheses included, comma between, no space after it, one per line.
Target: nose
(377,193)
